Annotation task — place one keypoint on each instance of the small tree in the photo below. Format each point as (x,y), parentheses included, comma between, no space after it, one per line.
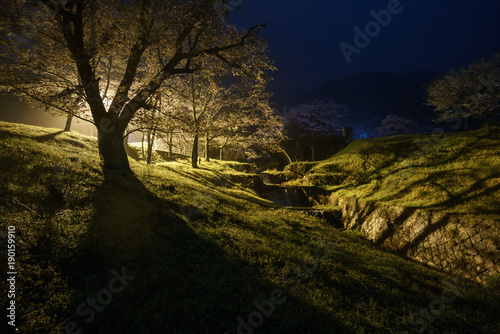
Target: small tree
(200,100)
(393,125)
(218,107)
(149,122)
(316,117)
(271,132)
(473,91)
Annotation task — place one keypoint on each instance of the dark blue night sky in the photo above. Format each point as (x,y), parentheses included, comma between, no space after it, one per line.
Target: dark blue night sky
(426,35)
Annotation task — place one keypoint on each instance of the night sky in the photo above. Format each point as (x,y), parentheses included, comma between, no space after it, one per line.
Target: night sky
(426,35)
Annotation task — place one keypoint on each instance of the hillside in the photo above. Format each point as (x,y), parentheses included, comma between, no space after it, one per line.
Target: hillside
(458,172)
(176,250)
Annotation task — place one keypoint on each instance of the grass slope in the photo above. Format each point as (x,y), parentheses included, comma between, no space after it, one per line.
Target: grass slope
(457,172)
(198,250)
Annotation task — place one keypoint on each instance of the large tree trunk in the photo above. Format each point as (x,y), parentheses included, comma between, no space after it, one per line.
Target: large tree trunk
(207,147)
(112,150)
(194,154)
(69,119)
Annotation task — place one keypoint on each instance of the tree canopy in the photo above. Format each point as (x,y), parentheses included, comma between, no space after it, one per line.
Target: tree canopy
(316,117)
(393,125)
(218,107)
(115,55)
(470,92)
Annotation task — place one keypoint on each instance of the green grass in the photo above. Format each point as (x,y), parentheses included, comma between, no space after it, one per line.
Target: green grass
(457,172)
(202,247)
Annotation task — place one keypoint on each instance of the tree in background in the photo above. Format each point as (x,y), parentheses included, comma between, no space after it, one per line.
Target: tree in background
(217,107)
(149,121)
(140,45)
(315,118)
(247,120)
(198,94)
(44,86)
(393,125)
(470,92)
(68,103)
(271,133)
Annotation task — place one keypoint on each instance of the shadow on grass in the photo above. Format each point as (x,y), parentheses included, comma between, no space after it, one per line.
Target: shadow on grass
(391,283)
(220,184)
(4,133)
(384,153)
(48,137)
(183,283)
(480,187)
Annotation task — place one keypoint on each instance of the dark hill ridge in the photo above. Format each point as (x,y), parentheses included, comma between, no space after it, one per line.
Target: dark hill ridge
(372,95)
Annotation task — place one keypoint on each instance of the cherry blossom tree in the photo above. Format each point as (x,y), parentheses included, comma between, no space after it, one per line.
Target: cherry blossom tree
(218,108)
(393,125)
(315,118)
(116,54)
(473,91)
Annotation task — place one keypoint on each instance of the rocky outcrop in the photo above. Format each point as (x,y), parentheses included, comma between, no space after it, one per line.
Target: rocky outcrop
(457,243)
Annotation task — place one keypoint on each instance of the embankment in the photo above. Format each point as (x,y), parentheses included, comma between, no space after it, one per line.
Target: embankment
(456,243)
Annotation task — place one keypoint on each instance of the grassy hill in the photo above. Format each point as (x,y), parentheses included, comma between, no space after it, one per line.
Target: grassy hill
(458,172)
(176,250)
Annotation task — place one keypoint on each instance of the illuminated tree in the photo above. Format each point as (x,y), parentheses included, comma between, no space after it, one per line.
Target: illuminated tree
(271,134)
(149,121)
(218,107)
(316,117)
(116,54)
(473,91)
(50,84)
(240,112)
(393,125)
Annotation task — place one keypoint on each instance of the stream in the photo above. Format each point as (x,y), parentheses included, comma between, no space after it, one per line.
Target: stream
(285,196)
(296,198)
